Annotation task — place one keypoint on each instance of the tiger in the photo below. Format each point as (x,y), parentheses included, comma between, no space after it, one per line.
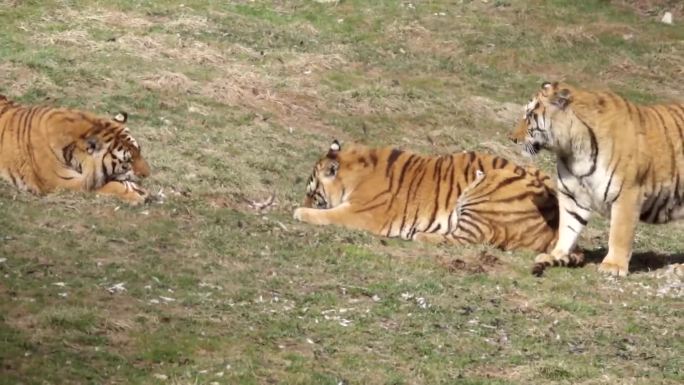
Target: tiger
(613,156)
(45,148)
(462,198)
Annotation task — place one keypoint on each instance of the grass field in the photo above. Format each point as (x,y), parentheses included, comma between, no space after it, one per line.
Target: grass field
(233,101)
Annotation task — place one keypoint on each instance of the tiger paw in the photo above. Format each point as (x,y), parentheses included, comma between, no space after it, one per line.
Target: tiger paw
(541,262)
(428,237)
(299,213)
(614,269)
(544,258)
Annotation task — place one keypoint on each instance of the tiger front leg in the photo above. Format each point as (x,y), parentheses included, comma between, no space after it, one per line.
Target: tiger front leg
(574,213)
(125,190)
(343,215)
(429,237)
(624,216)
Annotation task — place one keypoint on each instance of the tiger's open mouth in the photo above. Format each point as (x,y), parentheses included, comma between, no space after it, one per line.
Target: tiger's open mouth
(536,147)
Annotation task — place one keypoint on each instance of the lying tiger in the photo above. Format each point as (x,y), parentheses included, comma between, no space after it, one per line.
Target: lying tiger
(43,149)
(464,198)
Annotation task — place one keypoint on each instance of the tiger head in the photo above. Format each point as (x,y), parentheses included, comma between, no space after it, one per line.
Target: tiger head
(324,189)
(111,150)
(538,127)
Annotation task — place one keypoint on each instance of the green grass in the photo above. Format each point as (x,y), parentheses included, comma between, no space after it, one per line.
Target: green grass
(233,101)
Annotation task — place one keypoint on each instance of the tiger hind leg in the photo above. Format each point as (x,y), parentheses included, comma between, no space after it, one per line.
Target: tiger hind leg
(125,190)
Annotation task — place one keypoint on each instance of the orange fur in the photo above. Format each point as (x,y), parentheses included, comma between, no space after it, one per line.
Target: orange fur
(615,157)
(396,193)
(43,149)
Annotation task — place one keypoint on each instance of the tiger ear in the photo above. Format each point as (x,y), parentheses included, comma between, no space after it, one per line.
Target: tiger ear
(561,99)
(92,144)
(331,168)
(335,148)
(121,117)
(548,88)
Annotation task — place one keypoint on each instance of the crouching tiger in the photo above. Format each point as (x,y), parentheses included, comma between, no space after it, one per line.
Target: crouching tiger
(464,198)
(43,149)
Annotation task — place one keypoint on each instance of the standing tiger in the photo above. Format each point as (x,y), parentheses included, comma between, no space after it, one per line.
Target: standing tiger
(463,198)
(613,156)
(43,149)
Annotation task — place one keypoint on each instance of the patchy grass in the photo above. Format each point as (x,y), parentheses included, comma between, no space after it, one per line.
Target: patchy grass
(233,101)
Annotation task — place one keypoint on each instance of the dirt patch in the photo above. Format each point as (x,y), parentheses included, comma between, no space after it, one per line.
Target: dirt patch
(72,37)
(420,40)
(167,81)
(483,262)
(242,86)
(506,113)
(153,46)
(17,80)
(164,47)
(653,8)
(102,16)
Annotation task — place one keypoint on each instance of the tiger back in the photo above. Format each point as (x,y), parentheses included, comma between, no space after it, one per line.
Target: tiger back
(44,149)
(398,193)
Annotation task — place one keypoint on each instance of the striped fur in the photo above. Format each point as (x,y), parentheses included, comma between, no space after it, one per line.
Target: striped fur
(614,157)
(397,193)
(43,149)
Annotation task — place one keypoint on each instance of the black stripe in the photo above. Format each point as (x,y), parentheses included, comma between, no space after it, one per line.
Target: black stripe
(451,172)
(667,137)
(566,191)
(610,181)
(408,195)
(645,214)
(660,208)
(579,219)
(437,178)
(14,180)
(594,149)
(618,193)
(677,122)
(408,163)
(374,158)
(394,155)
(364,209)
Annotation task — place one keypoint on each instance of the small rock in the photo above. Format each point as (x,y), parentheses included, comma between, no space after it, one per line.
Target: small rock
(117,288)
(667,18)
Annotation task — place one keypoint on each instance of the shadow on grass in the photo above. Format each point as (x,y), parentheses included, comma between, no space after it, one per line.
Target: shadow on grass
(640,262)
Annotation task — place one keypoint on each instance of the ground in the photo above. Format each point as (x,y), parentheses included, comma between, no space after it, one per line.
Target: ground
(233,102)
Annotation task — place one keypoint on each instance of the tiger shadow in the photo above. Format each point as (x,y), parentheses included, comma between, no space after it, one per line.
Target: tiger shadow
(640,262)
